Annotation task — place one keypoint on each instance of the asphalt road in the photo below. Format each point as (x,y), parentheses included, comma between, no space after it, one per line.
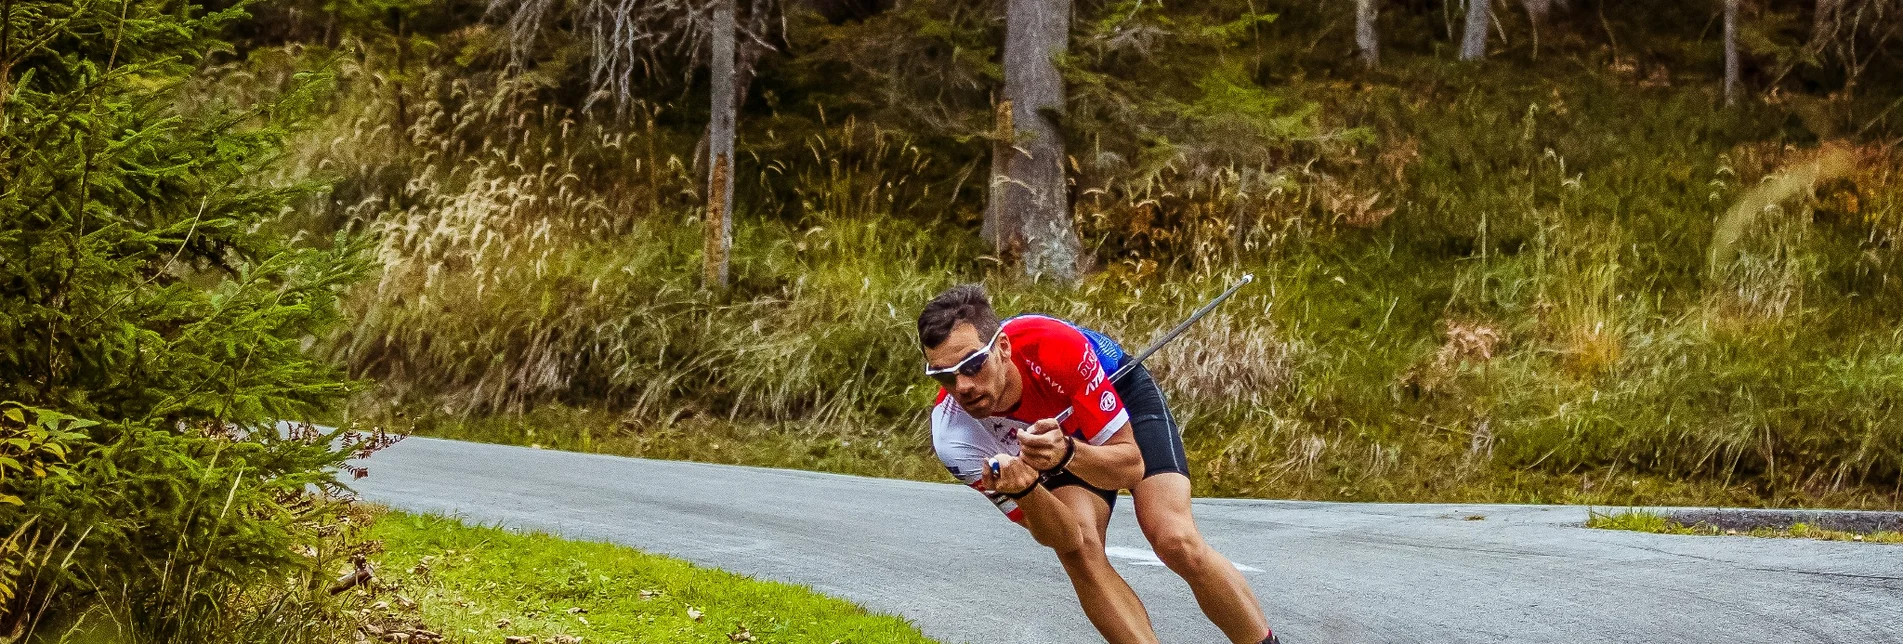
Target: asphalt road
(938,554)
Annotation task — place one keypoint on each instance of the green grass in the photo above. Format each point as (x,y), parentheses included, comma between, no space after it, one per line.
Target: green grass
(1643,521)
(482,584)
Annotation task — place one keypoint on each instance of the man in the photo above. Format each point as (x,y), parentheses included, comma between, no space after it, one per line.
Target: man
(993,427)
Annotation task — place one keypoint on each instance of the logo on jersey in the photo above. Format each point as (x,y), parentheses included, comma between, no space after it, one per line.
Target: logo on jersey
(1108,401)
(1048,380)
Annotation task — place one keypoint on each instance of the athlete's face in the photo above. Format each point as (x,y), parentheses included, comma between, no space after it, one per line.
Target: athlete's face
(984,393)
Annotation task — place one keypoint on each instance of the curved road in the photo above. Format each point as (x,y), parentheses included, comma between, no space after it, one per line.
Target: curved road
(1325,572)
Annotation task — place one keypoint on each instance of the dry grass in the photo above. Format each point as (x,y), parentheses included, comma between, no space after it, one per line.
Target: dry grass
(1419,332)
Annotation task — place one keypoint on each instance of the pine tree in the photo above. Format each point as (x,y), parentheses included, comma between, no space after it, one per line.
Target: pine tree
(148,287)
(1030,207)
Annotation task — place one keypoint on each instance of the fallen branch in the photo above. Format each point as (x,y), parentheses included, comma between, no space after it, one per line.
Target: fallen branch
(354,578)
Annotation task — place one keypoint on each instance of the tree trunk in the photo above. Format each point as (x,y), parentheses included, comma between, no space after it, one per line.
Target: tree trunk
(1032,189)
(1824,23)
(719,222)
(1002,226)
(402,133)
(1537,10)
(6,58)
(1731,52)
(1365,38)
(1536,13)
(1473,41)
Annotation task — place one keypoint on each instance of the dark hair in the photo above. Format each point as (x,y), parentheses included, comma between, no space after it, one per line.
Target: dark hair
(962,303)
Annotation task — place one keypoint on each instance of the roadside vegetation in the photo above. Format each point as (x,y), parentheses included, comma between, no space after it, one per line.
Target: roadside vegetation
(157,320)
(1566,273)
(469,583)
(1643,521)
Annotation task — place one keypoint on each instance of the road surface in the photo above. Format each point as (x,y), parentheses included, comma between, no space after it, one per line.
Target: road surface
(1324,572)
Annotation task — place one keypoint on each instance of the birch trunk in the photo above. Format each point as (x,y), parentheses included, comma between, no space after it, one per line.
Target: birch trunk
(1365,38)
(1032,189)
(1473,41)
(719,224)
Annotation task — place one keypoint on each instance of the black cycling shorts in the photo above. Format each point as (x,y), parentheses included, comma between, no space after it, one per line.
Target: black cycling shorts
(1156,432)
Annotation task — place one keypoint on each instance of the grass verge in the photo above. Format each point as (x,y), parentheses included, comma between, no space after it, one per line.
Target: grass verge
(483,584)
(901,451)
(1643,521)
(904,451)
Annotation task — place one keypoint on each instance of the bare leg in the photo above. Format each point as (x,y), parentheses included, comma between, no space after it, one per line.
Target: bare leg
(1162,507)
(1107,599)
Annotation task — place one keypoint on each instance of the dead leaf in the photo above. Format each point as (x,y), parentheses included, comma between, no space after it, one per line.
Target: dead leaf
(694,613)
(577,610)
(518,639)
(649,594)
(741,635)
(502,623)
(565,639)
(405,602)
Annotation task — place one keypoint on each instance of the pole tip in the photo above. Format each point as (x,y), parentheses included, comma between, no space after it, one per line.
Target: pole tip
(1248,277)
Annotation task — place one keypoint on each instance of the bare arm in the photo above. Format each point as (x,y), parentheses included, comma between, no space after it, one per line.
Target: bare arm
(1044,515)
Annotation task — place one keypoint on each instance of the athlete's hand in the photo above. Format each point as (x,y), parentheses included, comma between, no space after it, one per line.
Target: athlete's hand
(1012,474)
(1042,444)
(1046,426)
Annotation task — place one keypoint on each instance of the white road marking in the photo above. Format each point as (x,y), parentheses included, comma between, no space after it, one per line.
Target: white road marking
(1143,557)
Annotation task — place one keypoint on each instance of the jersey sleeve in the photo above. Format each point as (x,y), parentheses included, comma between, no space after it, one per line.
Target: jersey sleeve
(961,445)
(1097,411)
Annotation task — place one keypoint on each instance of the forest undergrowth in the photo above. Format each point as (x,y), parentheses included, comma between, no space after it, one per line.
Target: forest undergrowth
(1567,275)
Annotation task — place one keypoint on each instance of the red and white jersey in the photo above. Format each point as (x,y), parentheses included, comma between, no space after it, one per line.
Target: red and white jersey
(1062,368)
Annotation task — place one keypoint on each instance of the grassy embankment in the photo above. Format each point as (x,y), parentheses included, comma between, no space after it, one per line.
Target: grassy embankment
(1551,279)
(479,584)
(1643,521)
(440,580)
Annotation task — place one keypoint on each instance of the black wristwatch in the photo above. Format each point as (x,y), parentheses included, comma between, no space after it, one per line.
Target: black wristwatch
(1041,478)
